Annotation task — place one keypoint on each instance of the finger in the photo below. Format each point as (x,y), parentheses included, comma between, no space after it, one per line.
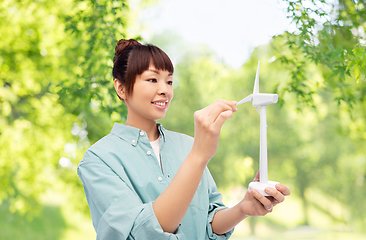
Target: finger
(221,118)
(257,175)
(283,189)
(258,207)
(221,101)
(277,195)
(265,202)
(220,106)
(273,200)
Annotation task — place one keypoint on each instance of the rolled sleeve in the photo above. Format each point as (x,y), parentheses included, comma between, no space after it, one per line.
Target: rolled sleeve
(215,205)
(144,226)
(210,233)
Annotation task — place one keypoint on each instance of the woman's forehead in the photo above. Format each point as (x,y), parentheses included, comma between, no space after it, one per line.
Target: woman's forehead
(152,68)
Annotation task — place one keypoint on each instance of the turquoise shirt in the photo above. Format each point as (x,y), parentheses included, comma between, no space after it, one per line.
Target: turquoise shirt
(122,177)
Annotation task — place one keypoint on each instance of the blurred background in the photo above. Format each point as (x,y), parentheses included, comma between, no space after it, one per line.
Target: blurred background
(57,98)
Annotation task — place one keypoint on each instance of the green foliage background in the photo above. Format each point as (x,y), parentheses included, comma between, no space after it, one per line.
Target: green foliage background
(57,98)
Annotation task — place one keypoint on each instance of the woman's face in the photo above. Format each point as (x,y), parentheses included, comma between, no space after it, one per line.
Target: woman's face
(151,96)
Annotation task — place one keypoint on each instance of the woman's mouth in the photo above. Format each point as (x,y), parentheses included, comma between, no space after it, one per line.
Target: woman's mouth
(160,103)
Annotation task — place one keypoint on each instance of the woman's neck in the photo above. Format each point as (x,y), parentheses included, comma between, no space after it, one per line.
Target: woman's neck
(148,126)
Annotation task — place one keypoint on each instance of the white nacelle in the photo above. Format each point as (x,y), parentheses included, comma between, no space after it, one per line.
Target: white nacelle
(261,99)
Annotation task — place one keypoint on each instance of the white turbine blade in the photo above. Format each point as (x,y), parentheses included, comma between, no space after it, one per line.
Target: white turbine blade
(246,99)
(256,82)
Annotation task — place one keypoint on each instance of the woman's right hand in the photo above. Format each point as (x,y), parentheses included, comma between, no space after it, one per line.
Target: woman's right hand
(208,123)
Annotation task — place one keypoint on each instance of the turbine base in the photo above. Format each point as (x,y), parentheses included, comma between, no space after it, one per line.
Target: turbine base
(259,186)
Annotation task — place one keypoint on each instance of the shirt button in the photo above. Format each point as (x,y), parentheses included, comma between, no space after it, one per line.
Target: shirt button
(148,152)
(142,133)
(160,179)
(168,176)
(133,141)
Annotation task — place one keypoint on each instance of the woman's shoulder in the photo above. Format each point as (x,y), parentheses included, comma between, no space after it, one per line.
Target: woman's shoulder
(119,136)
(104,144)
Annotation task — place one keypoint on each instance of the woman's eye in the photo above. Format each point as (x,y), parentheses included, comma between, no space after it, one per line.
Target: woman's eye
(170,82)
(153,80)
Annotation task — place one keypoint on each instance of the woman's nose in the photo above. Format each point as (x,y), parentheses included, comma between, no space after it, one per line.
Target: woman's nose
(163,89)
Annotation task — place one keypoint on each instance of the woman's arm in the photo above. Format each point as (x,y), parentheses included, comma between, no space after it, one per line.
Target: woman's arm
(171,206)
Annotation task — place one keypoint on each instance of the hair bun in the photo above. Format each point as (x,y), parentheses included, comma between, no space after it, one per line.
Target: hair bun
(123,44)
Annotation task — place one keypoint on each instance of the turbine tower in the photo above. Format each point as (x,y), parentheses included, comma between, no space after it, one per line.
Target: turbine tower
(260,102)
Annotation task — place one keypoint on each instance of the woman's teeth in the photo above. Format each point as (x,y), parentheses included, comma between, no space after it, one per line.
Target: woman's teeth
(160,103)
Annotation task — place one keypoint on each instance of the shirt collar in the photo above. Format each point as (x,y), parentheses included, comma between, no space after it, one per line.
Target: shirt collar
(161,130)
(133,135)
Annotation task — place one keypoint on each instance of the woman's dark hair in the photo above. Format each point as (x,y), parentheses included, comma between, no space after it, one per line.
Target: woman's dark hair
(133,58)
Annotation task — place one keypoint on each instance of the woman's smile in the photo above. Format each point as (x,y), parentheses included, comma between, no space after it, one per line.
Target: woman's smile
(162,104)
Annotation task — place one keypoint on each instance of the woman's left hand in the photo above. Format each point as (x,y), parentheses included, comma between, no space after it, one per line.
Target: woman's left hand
(255,204)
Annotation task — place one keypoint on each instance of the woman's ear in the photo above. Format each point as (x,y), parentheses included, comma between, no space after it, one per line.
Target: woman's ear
(120,89)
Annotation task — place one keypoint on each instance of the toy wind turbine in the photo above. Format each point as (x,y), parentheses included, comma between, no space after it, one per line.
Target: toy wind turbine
(261,100)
